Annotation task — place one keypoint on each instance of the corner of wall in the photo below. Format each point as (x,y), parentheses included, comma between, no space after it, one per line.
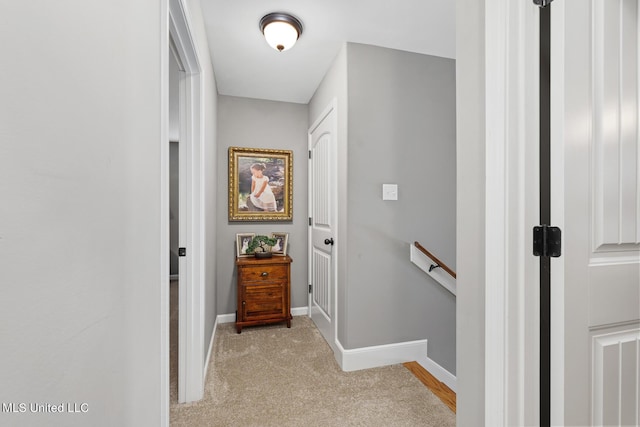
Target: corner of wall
(470,81)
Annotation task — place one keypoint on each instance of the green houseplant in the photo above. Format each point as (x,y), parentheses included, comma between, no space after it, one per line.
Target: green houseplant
(261,245)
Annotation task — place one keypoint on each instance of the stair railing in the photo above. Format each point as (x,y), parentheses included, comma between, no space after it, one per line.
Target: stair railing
(435,268)
(438,263)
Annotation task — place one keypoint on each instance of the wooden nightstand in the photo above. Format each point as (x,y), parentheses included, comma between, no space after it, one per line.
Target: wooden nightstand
(264,291)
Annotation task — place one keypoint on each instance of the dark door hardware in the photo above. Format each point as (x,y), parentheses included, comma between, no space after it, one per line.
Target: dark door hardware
(542,3)
(547,241)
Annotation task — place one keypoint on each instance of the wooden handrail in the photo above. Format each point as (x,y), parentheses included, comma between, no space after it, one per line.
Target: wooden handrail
(438,262)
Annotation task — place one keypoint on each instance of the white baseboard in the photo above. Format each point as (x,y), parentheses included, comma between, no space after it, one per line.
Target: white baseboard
(226,318)
(231,317)
(380,355)
(438,371)
(300,311)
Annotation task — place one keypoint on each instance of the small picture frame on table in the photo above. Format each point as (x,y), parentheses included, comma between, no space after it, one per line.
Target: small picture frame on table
(242,242)
(282,240)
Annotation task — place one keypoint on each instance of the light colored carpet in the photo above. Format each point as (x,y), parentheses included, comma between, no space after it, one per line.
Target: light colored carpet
(275,376)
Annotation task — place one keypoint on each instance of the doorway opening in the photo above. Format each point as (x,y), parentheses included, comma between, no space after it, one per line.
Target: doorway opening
(183,100)
(176,220)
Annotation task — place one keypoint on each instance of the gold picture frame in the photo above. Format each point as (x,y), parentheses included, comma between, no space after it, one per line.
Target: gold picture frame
(260,184)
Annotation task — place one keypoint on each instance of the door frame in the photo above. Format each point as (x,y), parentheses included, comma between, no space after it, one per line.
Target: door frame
(510,116)
(176,30)
(557,149)
(512,209)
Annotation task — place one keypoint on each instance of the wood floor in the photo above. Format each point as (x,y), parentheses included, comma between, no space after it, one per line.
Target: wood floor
(441,390)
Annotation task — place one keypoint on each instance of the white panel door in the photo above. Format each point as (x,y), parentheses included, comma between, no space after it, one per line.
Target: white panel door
(322,224)
(595,82)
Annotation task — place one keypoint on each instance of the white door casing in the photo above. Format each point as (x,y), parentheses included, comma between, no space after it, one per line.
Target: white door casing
(512,280)
(191,311)
(595,144)
(322,227)
(183,277)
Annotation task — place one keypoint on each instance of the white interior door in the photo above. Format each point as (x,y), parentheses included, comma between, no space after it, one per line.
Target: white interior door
(322,223)
(596,201)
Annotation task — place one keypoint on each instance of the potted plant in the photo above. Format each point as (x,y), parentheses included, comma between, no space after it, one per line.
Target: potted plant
(261,245)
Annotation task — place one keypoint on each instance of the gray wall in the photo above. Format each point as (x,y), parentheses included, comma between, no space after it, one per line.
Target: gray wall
(401,131)
(209,152)
(256,123)
(396,124)
(470,77)
(80,186)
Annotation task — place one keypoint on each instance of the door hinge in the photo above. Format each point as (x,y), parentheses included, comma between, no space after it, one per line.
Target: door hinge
(310,221)
(309,153)
(542,3)
(310,287)
(182,251)
(547,241)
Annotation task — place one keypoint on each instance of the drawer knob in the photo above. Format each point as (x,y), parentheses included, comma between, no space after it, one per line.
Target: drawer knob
(265,274)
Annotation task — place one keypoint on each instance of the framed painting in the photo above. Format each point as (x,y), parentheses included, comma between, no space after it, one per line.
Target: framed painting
(260,184)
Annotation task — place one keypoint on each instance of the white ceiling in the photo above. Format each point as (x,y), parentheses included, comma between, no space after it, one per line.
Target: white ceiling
(246,66)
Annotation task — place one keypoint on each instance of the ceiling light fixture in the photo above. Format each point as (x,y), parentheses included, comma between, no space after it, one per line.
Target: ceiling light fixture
(281,30)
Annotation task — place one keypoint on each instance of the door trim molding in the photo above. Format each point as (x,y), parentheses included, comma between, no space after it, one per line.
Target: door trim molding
(496,312)
(511,273)
(176,28)
(557,213)
(165,246)
(192,294)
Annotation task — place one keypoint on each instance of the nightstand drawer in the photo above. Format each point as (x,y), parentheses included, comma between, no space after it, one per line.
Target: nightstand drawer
(264,273)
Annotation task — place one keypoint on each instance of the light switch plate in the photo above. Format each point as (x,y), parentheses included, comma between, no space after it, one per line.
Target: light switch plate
(389,191)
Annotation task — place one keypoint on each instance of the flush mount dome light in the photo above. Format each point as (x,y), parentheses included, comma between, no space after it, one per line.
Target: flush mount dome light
(281,30)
